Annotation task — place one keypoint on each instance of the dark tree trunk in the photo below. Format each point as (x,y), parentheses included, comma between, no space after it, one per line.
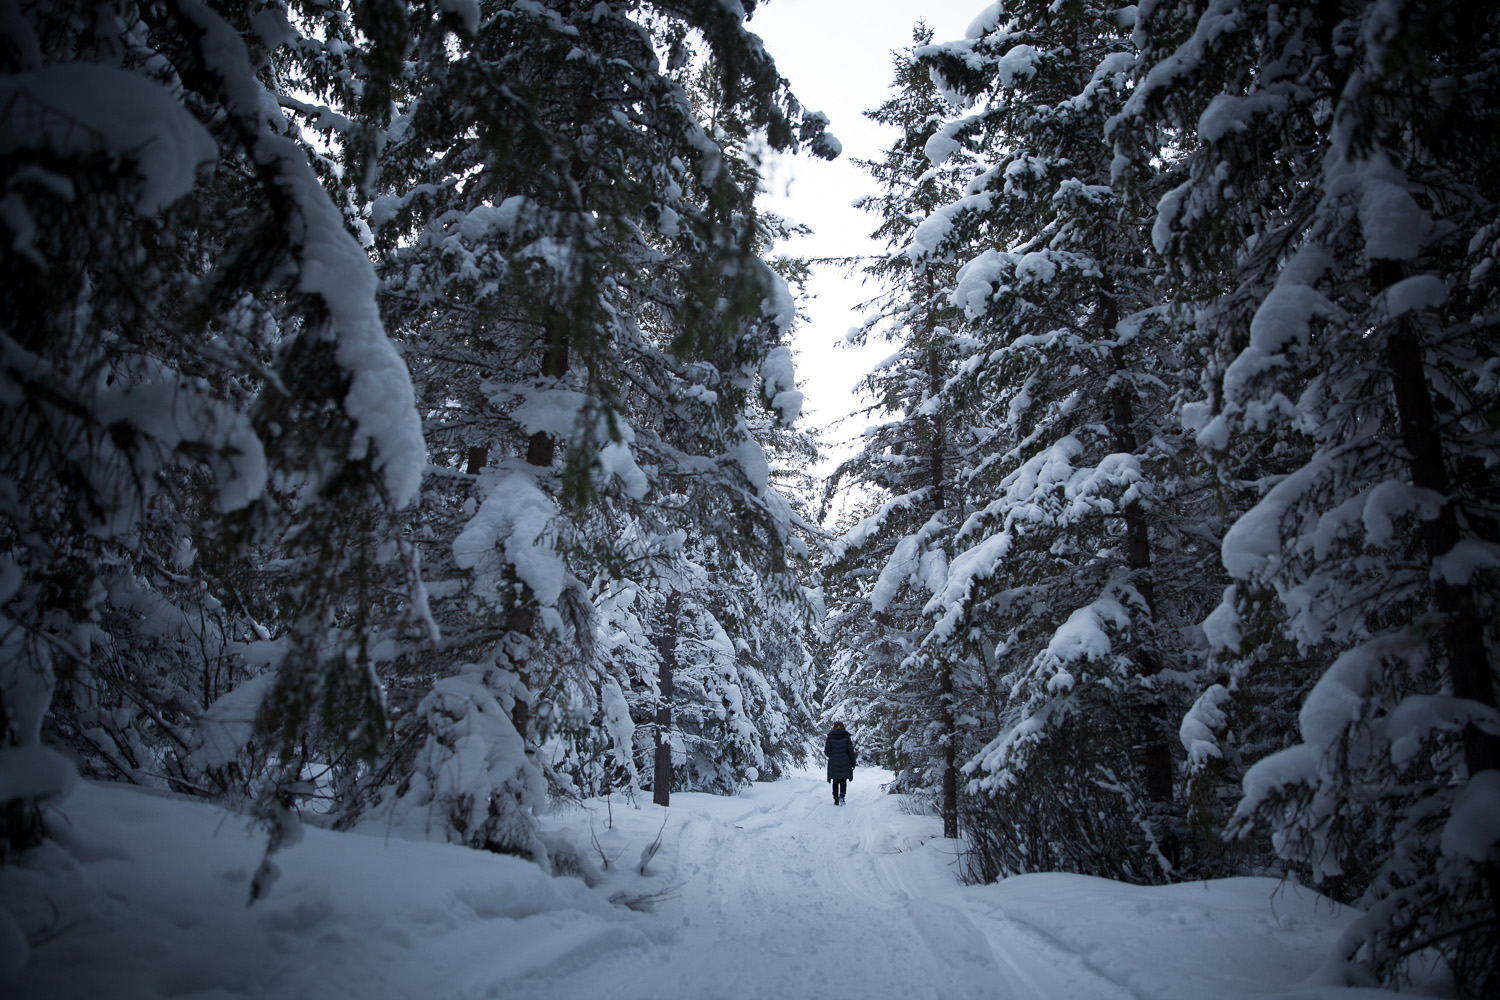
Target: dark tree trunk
(950,752)
(937,455)
(1155,749)
(1469,669)
(522,622)
(541,449)
(666,644)
(1463,632)
(936,463)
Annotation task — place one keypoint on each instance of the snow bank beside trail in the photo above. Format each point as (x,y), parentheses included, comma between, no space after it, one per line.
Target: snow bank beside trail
(149,895)
(1237,937)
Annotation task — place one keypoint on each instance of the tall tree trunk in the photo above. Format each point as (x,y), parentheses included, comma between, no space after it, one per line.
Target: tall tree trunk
(666,645)
(936,462)
(540,451)
(1155,748)
(1469,668)
(950,750)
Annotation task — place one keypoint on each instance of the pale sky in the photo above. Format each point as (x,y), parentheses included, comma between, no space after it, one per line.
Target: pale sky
(837,55)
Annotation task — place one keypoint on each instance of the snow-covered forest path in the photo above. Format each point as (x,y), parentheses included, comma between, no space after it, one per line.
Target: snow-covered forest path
(771,893)
(781,894)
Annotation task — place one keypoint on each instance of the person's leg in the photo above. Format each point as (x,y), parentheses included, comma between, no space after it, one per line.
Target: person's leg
(835,791)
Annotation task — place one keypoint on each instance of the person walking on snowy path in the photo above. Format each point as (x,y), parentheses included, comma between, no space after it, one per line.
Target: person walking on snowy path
(839,749)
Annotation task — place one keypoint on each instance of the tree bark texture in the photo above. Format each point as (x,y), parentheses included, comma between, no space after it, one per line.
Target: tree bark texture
(666,645)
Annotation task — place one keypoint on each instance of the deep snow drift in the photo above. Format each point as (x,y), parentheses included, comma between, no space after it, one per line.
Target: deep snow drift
(773,893)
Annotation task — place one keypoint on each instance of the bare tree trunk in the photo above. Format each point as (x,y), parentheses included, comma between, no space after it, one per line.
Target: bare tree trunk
(666,644)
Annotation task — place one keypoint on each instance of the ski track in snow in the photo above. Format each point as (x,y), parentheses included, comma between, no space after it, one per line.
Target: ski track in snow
(794,897)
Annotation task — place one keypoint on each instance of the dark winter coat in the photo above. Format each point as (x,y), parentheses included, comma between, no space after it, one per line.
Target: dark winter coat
(839,749)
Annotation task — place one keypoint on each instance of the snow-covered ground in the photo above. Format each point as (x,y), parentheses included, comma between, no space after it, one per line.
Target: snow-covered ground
(773,893)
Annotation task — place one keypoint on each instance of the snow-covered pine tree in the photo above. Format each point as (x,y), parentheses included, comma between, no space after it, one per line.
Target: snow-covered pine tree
(574,260)
(736,632)
(193,360)
(1212,304)
(1058,572)
(1339,158)
(879,573)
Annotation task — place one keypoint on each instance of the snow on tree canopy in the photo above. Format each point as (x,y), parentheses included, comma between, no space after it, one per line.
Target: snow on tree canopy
(514,523)
(616,459)
(335,268)
(549,410)
(380,400)
(1417,717)
(1473,829)
(779,376)
(1420,291)
(467,12)
(977,279)
(751,458)
(1201,722)
(780,306)
(1394,226)
(1283,321)
(942,144)
(1253,543)
(229,723)
(928,238)
(171,410)
(1230,112)
(987,21)
(80,109)
(1223,628)
(1341,694)
(1085,636)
